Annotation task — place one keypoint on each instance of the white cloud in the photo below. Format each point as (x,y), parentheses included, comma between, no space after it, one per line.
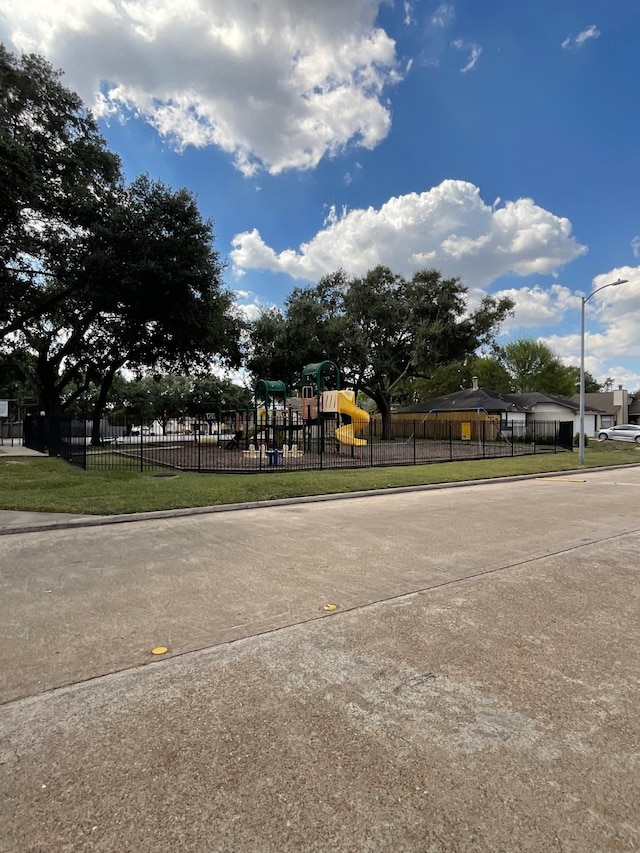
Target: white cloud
(635,246)
(448,227)
(575,42)
(537,307)
(350,176)
(249,305)
(475,50)
(443,15)
(277,85)
(612,333)
(408,13)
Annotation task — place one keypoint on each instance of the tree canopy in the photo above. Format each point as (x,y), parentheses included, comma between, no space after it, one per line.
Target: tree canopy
(380,329)
(520,366)
(460,374)
(164,396)
(56,176)
(94,274)
(533,366)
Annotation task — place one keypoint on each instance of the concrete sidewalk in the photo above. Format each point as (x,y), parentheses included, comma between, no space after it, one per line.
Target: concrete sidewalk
(15,448)
(18,521)
(475,689)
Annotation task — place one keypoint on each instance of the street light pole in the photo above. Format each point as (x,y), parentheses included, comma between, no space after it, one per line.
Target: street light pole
(585,299)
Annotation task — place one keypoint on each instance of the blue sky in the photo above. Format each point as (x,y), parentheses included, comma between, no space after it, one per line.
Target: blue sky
(495,140)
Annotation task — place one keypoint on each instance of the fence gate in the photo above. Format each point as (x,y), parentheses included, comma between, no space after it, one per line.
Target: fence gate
(58,435)
(565,434)
(36,434)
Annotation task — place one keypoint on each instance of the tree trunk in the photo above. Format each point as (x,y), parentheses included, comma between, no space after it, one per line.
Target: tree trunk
(98,409)
(48,394)
(386,424)
(384,408)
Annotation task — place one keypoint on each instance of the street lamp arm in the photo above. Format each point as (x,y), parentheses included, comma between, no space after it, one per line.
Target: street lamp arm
(602,287)
(585,299)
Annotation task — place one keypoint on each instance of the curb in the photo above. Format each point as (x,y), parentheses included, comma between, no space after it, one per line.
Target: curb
(132,518)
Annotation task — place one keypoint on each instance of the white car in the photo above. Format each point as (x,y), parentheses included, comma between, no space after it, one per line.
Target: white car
(145,430)
(622,432)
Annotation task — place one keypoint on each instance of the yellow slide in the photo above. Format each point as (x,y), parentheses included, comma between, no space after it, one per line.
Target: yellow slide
(359,419)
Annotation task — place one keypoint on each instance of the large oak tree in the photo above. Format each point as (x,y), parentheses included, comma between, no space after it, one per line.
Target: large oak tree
(95,275)
(148,293)
(56,179)
(380,329)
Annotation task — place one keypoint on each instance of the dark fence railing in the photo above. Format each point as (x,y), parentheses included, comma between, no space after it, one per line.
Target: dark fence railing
(215,446)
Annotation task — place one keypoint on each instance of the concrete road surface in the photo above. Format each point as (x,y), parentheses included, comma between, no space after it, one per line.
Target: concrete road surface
(476,687)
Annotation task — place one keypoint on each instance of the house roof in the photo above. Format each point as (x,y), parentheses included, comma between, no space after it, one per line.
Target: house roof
(602,401)
(468,399)
(492,402)
(533,398)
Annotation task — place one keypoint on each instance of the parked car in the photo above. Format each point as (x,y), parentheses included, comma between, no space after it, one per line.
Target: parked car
(622,432)
(144,430)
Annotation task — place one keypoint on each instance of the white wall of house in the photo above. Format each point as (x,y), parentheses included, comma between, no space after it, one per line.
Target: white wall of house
(590,426)
(513,423)
(555,412)
(551,412)
(517,418)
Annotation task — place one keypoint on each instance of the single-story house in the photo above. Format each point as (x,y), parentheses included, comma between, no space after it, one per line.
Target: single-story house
(613,407)
(517,410)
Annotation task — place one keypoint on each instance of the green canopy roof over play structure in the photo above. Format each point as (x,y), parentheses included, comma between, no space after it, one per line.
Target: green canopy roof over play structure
(324,376)
(321,376)
(267,389)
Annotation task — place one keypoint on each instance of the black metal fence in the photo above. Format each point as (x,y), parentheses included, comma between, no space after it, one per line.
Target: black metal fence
(214,446)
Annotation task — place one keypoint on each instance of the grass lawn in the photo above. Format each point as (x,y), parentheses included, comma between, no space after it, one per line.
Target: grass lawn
(51,485)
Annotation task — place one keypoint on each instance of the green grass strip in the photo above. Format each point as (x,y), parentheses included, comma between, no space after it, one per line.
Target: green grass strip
(52,485)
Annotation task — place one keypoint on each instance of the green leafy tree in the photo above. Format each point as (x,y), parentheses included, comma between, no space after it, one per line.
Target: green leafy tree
(95,275)
(591,384)
(162,397)
(16,383)
(56,177)
(380,329)
(533,366)
(451,377)
(152,297)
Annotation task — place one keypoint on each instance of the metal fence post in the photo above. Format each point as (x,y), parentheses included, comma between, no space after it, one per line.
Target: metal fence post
(415,458)
(450,441)
(371,442)
(84,449)
(141,444)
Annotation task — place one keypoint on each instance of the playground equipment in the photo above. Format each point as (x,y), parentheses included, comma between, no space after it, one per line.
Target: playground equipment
(283,425)
(343,402)
(323,399)
(291,452)
(269,420)
(255,453)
